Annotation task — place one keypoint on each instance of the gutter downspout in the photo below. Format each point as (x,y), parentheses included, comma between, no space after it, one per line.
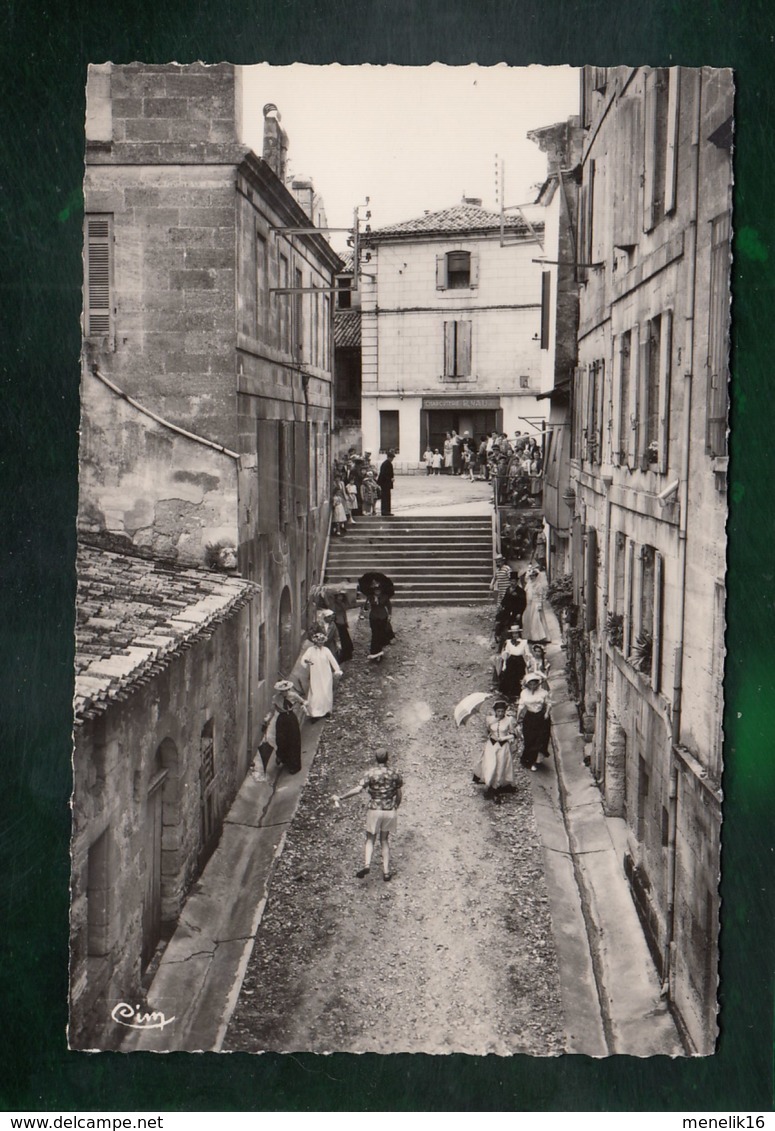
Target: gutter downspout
(603,638)
(668,957)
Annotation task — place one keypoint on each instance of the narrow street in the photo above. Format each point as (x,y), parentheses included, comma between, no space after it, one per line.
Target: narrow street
(457,952)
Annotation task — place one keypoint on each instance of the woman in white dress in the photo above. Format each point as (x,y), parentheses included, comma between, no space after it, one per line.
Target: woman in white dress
(496,769)
(534,625)
(322,667)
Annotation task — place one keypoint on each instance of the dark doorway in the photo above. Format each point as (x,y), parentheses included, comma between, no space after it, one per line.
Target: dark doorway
(388,430)
(153,835)
(285,633)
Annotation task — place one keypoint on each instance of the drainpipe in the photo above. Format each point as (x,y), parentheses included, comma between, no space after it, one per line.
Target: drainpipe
(691,290)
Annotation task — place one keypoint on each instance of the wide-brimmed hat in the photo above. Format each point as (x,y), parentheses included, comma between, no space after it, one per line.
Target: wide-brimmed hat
(515,628)
(284,685)
(326,612)
(499,558)
(318,638)
(499,703)
(533,677)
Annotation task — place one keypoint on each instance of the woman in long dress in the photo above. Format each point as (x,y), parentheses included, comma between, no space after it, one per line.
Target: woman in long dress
(513,663)
(322,667)
(379,622)
(281,726)
(496,768)
(534,712)
(533,619)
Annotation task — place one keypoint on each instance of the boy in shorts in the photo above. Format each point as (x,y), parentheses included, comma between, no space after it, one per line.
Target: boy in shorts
(385,788)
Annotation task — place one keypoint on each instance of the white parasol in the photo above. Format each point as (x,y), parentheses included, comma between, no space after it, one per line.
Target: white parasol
(469,706)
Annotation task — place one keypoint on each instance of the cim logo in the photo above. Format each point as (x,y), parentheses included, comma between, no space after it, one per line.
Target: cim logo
(131,1017)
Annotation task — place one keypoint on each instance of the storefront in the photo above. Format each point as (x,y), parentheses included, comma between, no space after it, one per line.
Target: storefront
(475,415)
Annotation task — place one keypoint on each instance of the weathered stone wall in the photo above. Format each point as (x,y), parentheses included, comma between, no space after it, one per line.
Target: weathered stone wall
(165,494)
(113,764)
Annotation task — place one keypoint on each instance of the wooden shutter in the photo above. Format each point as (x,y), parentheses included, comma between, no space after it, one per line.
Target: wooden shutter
(671,154)
(590,205)
(589,412)
(665,356)
(627,173)
(546,292)
(577,559)
(590,579)
(616,396)
(600,392)
(474,276)
(650,152)
(656,631)
(98,299)
(449,349)
(312,485)
(464,349)
(301,467)
(629,580)
(441,272)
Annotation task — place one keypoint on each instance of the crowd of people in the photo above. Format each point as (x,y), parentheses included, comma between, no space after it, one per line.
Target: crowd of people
(519,725)
(357,487)
(515,465)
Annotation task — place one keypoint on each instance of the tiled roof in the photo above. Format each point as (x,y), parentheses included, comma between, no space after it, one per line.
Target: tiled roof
(462,218)
(134,616)
(347,329)
(347,260)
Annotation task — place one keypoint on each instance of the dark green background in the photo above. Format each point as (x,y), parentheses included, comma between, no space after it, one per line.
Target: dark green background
(45,48)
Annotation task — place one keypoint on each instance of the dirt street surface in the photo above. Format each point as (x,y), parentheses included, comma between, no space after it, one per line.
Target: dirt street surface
(456,953)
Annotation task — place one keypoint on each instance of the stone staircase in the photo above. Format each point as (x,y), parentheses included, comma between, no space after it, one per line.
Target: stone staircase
(432,560)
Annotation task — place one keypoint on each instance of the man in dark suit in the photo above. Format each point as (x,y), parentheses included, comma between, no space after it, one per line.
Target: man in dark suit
(385,481)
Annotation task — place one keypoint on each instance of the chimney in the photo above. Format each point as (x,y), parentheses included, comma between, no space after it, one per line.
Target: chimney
(303,190)
(275,141)
(476,201)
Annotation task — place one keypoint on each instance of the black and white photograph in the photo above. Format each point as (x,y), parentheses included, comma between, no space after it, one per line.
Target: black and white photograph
(401,574)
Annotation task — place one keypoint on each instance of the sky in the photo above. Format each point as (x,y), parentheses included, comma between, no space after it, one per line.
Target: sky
(410,138)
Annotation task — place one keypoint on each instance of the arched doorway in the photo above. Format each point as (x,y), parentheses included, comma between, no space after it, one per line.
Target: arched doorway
(285,633)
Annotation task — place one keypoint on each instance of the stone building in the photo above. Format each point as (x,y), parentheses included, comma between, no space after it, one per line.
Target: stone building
(558,198)
(450,329)
(163,702)
(204,490)
(648,467)
(208,340)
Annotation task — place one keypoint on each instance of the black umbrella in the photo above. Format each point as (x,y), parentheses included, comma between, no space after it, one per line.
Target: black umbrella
(372,578)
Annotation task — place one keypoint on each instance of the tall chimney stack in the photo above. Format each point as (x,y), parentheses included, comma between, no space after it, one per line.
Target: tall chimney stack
(275,141)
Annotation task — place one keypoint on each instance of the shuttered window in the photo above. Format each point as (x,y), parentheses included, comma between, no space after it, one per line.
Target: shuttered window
(656,631)
(457,270)
(98,306)
(627,176)
(655,147)
(457,349)
(718,337)
(671,155)
(301,467)
(665,357)
(590,579)
(629,585)
(632,406)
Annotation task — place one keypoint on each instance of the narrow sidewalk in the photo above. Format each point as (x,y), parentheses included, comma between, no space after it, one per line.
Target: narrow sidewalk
(201,971)
(611,991)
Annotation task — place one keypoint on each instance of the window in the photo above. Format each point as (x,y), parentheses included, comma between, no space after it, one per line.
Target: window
(326,359)
(298,316)
(98,276)
(718,337)
(456,270)
(671,154)
(262,286)
(457,349)
(649,651)
(524,381)
(650,411)
(655,147)
(593,431)
(623,398)
(579,376)
(343,293)
(627,173)
(388,430)
(284,306)
(654,393)
(546,292)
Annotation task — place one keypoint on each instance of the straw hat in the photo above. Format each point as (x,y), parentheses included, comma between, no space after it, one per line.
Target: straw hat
(284,685)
